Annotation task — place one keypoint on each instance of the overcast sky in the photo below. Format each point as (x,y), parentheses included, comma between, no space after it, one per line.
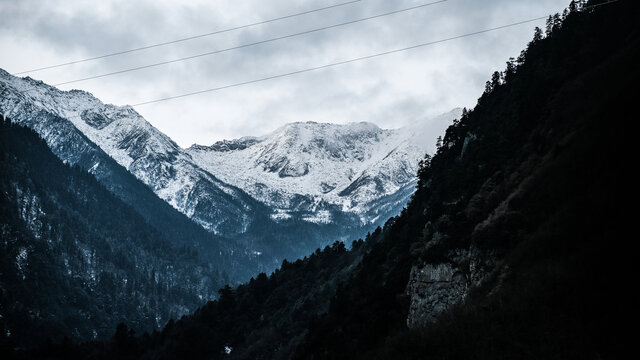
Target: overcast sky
(390,91)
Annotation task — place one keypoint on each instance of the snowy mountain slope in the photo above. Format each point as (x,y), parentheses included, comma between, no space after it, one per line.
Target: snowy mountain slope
(317,168)
(350,176)
(134,143)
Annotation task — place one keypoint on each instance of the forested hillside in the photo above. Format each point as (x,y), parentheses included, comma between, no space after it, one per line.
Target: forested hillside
(76,260)
(515,245)
(515,233)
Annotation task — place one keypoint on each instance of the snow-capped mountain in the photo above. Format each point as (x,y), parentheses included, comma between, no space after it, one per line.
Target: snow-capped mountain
(351,175)
(316,169)
(72,121)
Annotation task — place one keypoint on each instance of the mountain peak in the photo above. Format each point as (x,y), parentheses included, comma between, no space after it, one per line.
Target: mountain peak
(303,164)
(125,136)
(315,129)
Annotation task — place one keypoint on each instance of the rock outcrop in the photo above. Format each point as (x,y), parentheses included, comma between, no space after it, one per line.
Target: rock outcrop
(432,289)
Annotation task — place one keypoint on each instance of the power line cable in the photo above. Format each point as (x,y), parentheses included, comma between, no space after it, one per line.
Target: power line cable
(341,62)
(359,58)
(247,45)
(185,39)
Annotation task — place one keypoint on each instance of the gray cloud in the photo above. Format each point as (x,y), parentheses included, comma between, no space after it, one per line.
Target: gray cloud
(390,91)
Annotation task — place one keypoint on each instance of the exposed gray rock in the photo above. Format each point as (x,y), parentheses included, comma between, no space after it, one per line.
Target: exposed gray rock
(433,288)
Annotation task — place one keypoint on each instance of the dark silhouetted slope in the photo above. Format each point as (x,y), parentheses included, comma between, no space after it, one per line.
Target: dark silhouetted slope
(76,260)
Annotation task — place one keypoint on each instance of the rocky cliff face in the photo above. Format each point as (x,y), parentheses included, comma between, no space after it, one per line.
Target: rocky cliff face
(432,289)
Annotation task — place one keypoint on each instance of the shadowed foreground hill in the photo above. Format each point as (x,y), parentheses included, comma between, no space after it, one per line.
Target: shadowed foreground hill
(75,260)
(513,246)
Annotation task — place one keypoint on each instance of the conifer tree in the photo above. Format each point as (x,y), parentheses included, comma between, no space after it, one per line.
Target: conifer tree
(537,34)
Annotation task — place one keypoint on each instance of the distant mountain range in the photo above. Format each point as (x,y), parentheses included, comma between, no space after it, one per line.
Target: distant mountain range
(342,180)
(311,171)
(133,143)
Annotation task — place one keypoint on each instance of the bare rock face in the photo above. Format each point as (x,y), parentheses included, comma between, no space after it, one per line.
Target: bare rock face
(432,289)
(437,284)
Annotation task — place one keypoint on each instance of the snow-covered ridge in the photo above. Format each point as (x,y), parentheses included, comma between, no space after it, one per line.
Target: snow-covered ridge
(307,171)
(134,143)
(109,126)
(349,166)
